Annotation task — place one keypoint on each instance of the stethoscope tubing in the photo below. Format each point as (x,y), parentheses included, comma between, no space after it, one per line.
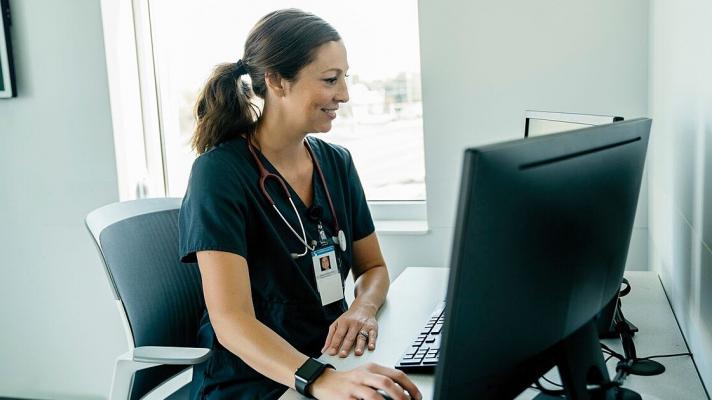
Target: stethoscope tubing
(264,175)
(302,238)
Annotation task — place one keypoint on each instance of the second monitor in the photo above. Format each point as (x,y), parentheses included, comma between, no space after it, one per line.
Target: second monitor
(537,123)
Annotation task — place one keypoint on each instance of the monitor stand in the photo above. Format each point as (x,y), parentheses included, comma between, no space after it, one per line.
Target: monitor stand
(580,364)
(607,320)
(607,328)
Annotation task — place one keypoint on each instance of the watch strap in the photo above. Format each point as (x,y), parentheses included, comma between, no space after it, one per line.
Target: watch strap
(307,374)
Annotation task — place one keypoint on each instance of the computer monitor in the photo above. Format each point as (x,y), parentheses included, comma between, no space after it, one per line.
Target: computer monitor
(541,237)
(537,123)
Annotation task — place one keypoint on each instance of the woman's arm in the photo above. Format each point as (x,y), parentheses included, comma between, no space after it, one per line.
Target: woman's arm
(372,282)
(370,274)
(228,297)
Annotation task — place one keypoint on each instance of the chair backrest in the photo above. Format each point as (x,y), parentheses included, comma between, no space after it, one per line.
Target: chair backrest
(162,298)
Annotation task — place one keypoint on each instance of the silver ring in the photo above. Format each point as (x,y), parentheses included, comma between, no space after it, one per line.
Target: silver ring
(364,334)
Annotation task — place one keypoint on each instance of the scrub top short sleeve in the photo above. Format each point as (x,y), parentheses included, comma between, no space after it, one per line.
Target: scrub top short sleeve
(214,211)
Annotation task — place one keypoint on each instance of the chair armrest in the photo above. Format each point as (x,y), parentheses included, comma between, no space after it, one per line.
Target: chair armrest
(147,357)
(170,355)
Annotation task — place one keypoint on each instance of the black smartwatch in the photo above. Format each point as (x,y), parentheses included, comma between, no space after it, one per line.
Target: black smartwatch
(307,374)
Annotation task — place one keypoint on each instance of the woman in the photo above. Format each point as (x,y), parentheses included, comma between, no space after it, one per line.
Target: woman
(265,203)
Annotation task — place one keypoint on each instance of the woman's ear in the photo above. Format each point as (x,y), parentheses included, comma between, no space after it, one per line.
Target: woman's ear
(275,83)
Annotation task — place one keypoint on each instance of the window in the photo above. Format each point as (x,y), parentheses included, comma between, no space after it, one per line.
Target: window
(381,124)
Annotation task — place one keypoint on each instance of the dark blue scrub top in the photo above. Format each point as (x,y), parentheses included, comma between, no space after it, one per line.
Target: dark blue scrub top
(224,209)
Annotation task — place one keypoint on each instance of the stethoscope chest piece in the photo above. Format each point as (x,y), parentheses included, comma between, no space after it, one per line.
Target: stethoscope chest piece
(341,238)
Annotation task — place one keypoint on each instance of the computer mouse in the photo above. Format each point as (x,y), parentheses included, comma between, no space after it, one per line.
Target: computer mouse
(387,397)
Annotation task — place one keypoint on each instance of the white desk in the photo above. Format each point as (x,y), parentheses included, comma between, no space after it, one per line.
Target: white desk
(414,294)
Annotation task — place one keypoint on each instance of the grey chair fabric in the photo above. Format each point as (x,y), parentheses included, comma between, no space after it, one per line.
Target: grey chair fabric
(162,298)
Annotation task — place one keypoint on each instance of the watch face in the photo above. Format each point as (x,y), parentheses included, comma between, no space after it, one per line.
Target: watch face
(309,368)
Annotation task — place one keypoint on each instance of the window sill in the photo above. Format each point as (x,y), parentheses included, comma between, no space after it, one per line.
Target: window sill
(401,227)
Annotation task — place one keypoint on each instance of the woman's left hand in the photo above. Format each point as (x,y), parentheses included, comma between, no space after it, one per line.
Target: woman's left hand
(357,326)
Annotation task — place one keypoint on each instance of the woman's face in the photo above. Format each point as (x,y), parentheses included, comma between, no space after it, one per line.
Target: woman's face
(312,99)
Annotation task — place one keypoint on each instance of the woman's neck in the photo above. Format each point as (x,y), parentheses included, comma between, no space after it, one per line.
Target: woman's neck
(281,145)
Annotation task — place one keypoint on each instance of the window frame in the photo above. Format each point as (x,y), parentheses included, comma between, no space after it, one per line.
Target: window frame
(134,89)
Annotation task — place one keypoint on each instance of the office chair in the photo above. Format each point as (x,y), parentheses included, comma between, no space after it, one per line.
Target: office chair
(160,300)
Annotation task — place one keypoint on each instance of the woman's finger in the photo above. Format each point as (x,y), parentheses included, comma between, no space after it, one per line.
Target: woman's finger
(385,383)
(366,393)
(360,343)
(337,338)
(332,329)
(349,340)
(398,377)
(372,336)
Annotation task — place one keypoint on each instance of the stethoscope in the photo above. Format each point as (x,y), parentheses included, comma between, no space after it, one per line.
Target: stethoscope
(340,238)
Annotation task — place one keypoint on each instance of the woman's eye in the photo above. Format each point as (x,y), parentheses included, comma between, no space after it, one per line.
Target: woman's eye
(331,81)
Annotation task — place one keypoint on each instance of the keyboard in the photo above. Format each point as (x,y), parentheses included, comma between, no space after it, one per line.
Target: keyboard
(422,354)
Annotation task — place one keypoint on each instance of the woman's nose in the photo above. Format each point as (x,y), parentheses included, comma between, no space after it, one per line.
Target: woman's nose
(342,95)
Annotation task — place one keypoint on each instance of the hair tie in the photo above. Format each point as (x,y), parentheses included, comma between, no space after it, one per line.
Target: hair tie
(240,68)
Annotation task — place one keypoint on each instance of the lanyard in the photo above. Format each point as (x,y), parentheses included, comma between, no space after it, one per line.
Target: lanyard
(340,239)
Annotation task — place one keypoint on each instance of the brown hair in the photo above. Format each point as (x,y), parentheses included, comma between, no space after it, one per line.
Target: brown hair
(282,42)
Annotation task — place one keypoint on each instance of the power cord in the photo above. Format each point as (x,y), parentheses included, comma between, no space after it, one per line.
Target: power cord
(612,353)
(621,372)
(667,355)
(616,383)
(551,382)
(627,364)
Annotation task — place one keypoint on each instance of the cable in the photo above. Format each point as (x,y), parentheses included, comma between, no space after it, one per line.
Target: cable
(550,392)
(593,388)
(624,292)
(608,354)
(617,381)
(612,352)
(667,355)
(552,382)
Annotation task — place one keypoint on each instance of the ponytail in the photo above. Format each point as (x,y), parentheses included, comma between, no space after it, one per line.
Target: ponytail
(223,110)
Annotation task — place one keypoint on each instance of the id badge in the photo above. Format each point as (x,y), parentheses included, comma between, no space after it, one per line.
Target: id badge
(328,278)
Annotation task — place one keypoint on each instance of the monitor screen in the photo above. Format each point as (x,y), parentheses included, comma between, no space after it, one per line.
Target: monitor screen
(541,238)
(539,123)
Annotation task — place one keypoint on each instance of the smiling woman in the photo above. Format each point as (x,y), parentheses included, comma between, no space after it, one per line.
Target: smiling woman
(277,220)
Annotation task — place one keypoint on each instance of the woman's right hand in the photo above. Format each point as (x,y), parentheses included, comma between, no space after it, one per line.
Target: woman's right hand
(363,383)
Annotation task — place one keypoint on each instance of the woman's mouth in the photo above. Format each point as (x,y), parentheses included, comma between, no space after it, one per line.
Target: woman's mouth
(331,112)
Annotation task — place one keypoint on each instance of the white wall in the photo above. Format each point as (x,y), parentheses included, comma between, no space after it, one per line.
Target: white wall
(680,166)
(485,62)
(60,329)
